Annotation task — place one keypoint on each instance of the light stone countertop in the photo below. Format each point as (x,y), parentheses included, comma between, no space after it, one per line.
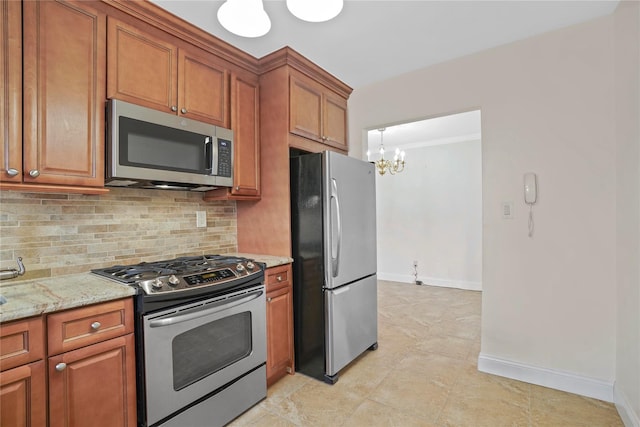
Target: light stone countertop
(37,296)
(33,297)
(269,260)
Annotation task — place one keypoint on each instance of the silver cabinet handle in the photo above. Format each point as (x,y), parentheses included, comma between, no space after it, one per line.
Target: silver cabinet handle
(34,173)
(183,111)
(95,326)
(269,299)
(12,172)
(61,367)
(174,108)
(279,278)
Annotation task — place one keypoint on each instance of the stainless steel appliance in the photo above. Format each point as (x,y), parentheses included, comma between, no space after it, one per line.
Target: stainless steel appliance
(333,206)
(152,149)
(200,338)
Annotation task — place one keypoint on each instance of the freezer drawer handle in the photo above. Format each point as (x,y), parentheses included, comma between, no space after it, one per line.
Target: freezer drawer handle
(342,290)
(335,262)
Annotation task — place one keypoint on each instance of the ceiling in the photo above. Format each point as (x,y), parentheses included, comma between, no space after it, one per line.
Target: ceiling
(372,41)
(449,129)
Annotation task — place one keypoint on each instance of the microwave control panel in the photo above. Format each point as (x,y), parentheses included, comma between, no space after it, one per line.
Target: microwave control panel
(224,157)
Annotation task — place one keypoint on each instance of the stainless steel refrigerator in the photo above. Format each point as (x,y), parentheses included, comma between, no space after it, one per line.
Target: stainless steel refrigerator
(333,218)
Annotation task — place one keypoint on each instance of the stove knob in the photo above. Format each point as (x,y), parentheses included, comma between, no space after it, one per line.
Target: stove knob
(173,280)
(156,284)
(250,265)
(240,267)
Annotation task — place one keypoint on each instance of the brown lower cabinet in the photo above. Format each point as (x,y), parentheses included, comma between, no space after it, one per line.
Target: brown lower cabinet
(89,365)
(22,377)
(93,386)
(23,396)
(279,323)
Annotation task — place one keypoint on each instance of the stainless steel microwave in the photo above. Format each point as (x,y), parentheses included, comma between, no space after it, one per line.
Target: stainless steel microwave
(151,149)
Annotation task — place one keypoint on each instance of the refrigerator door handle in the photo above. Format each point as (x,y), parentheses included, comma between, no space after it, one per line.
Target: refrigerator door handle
(335,262)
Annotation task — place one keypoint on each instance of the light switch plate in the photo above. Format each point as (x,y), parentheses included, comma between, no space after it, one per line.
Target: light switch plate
(507,210)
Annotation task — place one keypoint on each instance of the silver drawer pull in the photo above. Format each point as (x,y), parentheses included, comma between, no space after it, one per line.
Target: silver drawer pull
(95,326)
(61,367)
(279,278)
(269,299)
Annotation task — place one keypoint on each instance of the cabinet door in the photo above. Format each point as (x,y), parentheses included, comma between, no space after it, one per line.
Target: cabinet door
(245,101)
(305,108)
(335,121)
(11,91)
(23,396)
(279,323)
(64,66)
(142,67)
(203,87)
(94,386)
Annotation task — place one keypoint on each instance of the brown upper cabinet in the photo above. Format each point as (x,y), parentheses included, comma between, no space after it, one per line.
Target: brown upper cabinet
(316,112)
(245,122)
(298,100)
(61,94)
(148,67)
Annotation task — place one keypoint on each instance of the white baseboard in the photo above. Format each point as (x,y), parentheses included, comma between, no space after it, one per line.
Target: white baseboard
(432,281)
(559,380)
(629,417)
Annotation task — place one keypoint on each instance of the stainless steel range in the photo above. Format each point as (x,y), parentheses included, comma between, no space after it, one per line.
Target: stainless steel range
(200,338)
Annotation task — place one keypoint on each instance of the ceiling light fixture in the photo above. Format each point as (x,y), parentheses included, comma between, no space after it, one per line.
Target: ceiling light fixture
(382,165)
(245,18)
(315,10)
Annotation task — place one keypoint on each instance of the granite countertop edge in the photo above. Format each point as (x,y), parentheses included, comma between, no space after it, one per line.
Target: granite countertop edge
(35,297)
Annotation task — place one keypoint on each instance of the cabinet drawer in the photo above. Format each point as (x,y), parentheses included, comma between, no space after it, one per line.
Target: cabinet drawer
(277,277)
(72,329)
(21,342)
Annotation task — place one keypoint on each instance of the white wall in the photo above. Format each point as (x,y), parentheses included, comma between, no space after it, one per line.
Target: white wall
(549,302)
(627,77)
(432,213)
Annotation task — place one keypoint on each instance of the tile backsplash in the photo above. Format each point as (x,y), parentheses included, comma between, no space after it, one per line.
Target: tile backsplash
(59,234)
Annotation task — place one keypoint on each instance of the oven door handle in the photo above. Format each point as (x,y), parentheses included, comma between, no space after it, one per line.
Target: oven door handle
(205,310)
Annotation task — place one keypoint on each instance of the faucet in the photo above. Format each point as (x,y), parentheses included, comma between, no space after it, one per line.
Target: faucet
(11,273)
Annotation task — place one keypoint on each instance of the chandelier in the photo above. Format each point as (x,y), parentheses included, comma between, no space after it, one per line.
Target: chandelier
(383,165)
(247,18)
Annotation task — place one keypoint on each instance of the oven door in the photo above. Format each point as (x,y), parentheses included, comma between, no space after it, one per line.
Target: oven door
(194,349)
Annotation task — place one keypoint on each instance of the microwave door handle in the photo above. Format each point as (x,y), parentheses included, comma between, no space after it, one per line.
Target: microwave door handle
(208,155)
(212,155)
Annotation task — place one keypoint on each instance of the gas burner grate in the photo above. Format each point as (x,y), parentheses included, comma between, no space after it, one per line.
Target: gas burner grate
(132,274)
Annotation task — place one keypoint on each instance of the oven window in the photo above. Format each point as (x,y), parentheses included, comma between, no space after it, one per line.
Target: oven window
(209,348)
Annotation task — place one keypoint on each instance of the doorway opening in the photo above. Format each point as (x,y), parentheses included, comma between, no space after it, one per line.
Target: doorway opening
(429,216)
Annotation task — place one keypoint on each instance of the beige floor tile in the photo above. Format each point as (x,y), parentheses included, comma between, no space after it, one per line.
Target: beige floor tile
(482,412)
(419,384)
(481,399)
(450,346)
(317,404)
(552,407)
(287,385)
(374,414)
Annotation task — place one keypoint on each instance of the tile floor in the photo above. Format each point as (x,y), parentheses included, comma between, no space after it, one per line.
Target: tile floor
(423,374)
